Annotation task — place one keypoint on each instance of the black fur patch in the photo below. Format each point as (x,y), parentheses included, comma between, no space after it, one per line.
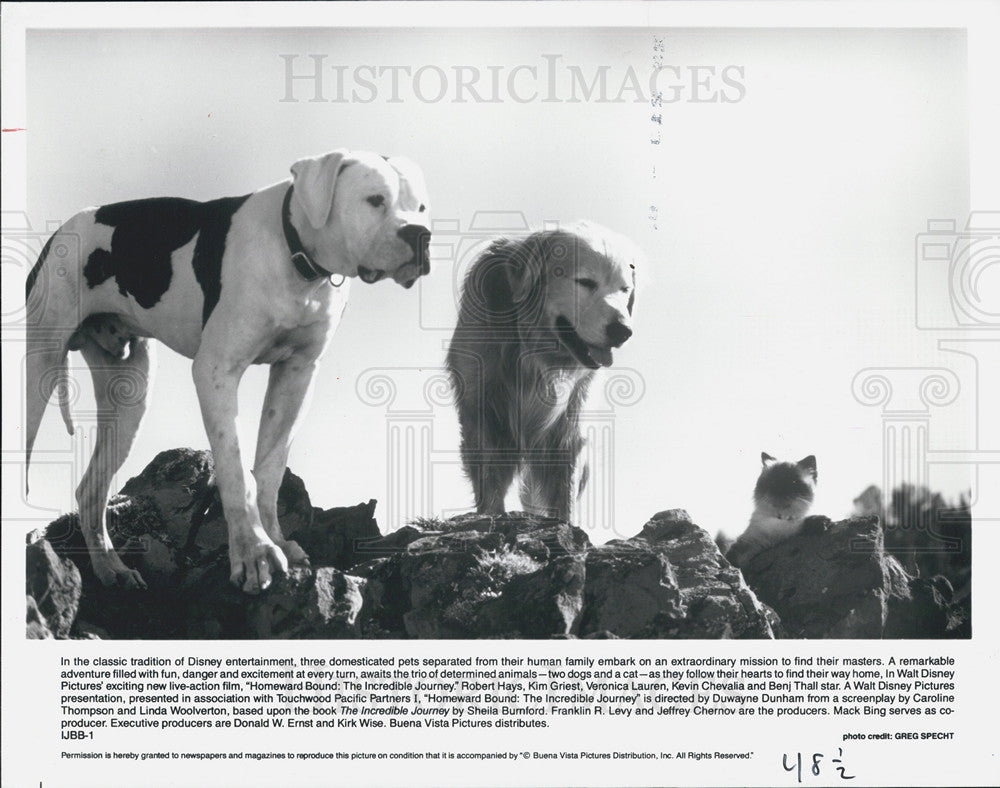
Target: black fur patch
(147,232)
(37,268)
(211,246)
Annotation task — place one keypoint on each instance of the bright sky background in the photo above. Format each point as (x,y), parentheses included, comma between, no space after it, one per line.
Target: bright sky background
(781,265)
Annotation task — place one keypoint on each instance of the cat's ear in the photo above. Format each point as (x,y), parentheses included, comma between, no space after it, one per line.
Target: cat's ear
(766,459)
(808,464)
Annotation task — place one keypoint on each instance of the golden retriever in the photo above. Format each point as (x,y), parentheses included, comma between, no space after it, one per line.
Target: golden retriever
(537,316)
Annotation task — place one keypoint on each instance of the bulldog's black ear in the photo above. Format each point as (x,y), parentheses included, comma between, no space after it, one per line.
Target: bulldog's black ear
(631,297)
(766,459)
(808,464)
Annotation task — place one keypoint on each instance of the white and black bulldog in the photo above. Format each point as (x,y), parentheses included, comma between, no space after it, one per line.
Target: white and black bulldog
(257,279)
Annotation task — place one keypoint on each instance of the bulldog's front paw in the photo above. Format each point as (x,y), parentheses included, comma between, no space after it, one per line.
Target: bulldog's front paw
(112,572)
(254,562)
(295,554)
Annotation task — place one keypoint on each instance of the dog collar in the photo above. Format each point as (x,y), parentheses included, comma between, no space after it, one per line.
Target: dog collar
(308,268)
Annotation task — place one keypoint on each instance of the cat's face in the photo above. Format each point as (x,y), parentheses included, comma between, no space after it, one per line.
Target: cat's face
(786,484)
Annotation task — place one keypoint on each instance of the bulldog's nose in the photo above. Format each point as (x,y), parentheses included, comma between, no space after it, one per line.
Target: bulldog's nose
(618,333)
(418,238)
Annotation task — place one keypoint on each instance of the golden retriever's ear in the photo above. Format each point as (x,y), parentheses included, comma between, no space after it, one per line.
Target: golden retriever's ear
(315,180)
(526,268)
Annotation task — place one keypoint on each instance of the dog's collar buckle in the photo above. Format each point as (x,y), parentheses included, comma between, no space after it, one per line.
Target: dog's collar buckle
(308,268)
(304,265)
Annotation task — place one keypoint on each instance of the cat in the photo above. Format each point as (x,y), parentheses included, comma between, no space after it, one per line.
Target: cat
(782,498)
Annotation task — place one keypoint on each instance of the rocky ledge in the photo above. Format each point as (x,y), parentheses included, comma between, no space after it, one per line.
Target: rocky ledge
(514,576)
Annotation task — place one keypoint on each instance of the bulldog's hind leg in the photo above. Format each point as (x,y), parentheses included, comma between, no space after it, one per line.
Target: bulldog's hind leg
(45,370)
(121,388)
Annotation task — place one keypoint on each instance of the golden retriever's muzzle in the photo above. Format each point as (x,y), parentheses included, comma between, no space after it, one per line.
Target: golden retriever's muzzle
(618,333)
(591,356)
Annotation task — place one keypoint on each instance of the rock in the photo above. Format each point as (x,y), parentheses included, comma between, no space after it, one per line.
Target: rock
(338,537)
(476,576)
(304,604)
(841,583)
(473,576)
(924,610)
(168,524)
(526,577)
(53,589)
(546,603)
(84,631)
(173,504)
(167,492)
(669,581)
(214,607)
(35,624)
(630,591)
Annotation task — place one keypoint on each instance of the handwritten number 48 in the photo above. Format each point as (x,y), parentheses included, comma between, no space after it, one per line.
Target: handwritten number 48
(796,765)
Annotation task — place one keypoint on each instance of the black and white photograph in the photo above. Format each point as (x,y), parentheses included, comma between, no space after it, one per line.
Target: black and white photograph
(388,364)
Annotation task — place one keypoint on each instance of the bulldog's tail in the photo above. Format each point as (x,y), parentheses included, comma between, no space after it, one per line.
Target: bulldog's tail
(62,392)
